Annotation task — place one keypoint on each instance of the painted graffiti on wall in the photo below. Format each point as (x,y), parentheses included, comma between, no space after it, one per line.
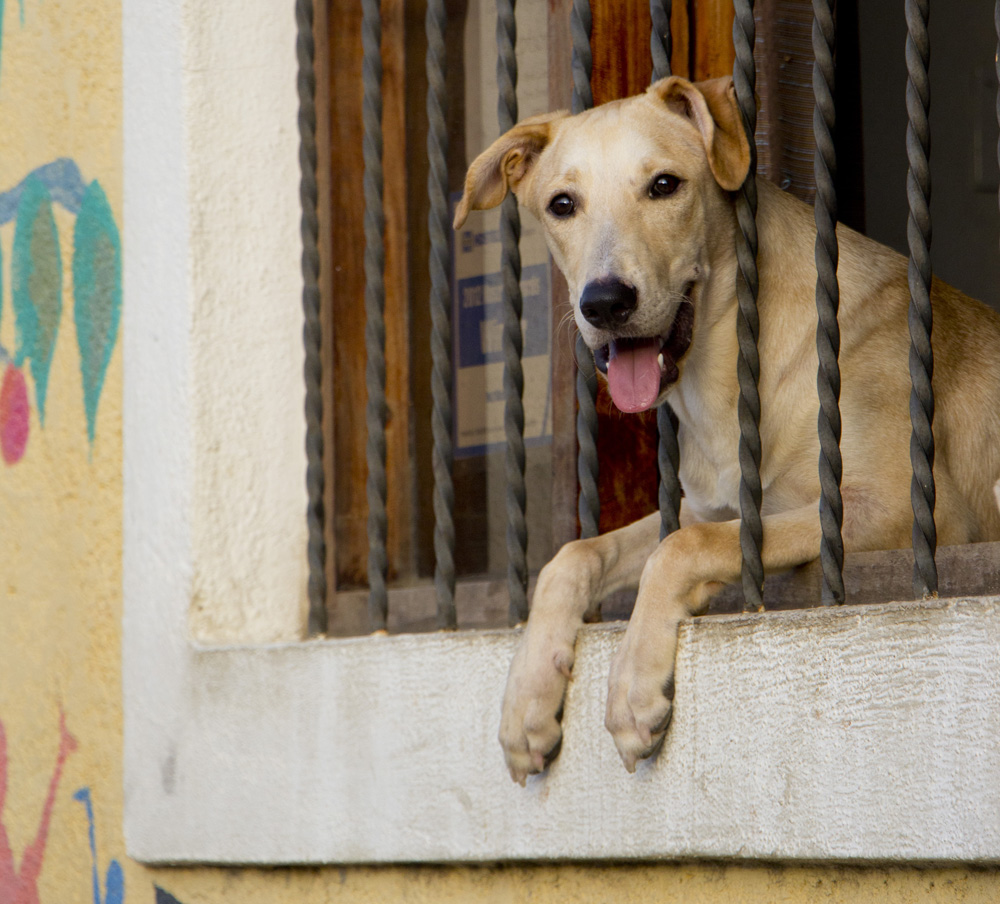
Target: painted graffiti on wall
(37,294)
(14,412)
(164,897)
(36,287)
(60,307)
(114,880)
(19,884)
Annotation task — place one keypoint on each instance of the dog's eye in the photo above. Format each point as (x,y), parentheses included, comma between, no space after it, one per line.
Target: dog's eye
(664,185)
(562,206)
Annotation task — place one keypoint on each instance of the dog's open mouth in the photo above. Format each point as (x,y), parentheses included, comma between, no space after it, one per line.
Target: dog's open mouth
(638,370)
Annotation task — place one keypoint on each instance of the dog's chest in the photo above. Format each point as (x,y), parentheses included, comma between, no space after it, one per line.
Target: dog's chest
(710,473)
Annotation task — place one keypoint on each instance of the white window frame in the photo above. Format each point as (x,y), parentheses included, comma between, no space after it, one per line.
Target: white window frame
(848,735)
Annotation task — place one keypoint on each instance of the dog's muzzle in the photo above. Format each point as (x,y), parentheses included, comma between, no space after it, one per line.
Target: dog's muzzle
(640,369)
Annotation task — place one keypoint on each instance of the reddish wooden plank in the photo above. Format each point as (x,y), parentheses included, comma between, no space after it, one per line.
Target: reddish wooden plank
(711,38)
(321,26)
(680,29)
(347,301)
(620,44)
(399,432)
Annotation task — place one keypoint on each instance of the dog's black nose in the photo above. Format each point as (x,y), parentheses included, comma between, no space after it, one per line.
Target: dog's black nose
(608,304)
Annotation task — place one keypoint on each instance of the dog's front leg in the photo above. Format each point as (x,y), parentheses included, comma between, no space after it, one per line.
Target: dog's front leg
(678,581)
(569,588)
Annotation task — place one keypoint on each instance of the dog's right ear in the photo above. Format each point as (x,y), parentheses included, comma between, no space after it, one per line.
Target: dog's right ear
(502,166)
(712,107)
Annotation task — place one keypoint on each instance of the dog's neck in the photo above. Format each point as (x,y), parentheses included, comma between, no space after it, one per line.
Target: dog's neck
(705,398)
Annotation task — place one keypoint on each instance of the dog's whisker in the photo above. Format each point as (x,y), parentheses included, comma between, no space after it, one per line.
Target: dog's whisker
(565,322)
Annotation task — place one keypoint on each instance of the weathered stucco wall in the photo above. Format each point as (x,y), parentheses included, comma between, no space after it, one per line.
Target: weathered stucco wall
(60,543)
(60,435)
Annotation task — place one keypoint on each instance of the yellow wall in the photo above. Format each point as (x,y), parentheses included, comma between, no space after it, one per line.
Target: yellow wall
(60,555)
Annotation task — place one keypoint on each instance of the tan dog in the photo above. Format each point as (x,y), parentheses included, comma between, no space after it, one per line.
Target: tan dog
(636,200)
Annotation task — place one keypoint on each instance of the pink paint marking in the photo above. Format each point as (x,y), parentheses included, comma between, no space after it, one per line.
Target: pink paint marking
(20,886)
(13,415)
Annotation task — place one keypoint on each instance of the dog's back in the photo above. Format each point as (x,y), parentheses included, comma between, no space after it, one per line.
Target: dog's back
(875,389)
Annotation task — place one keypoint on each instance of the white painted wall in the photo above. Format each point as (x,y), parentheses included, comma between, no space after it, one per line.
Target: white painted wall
(214,303)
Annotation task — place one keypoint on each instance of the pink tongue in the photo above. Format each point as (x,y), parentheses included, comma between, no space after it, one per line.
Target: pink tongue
(634,374)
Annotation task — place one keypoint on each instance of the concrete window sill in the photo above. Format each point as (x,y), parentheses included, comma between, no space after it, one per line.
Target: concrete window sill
(855,734)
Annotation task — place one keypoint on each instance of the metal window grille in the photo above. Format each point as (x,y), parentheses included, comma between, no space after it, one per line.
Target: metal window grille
(312,338)
(827,297)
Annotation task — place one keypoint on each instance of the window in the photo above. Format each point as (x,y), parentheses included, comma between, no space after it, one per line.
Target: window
(245,746)
(626,445)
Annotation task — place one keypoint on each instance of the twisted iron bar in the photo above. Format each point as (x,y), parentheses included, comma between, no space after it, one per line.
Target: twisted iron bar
(513,376)
(589,500)
(918,232)
(375,410)
(831,506)
(747,320)
(581,24)
(668,456)
(660,39)
(668,452)
(312,336)
(440,308)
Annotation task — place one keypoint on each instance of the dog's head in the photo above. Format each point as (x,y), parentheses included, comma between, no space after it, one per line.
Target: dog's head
(633,199)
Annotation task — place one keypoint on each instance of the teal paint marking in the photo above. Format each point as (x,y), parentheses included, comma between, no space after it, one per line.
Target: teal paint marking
(36,285)
(36,273)
(97,293)
(36,277)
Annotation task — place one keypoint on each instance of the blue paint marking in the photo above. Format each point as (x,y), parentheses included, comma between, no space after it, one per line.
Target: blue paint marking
(61,177)
(114,882)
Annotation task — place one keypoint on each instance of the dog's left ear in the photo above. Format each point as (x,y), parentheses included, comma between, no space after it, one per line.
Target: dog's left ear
(505,163)
(712,107)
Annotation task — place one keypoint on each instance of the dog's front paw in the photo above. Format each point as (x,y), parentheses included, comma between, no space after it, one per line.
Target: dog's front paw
(640,691)
(530,730)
